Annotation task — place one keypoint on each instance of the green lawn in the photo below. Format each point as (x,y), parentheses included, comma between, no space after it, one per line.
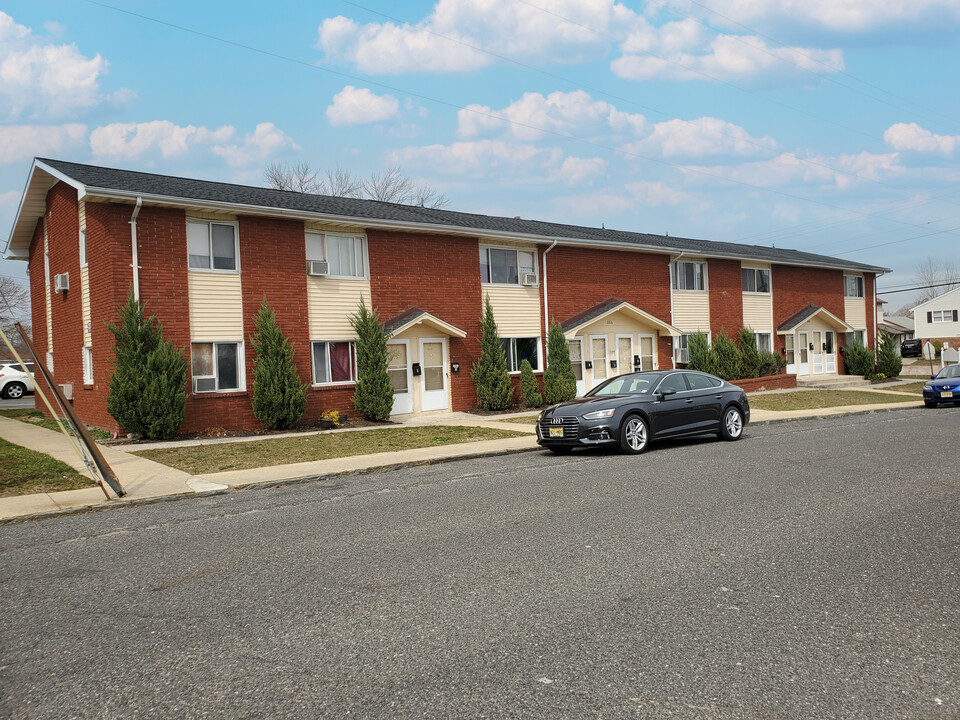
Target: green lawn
(23,472)
(220,457)
(813,399)
(36,417)
(526,420)
(915,388)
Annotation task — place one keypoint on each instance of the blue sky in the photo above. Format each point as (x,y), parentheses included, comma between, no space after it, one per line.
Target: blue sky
(825,125)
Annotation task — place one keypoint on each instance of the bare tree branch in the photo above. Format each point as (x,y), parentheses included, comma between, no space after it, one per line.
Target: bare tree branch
(389,185)
(936,271)
(340,183)
(14,307)
(298,177)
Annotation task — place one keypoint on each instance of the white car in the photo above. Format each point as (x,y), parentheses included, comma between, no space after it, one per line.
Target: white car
(14,382)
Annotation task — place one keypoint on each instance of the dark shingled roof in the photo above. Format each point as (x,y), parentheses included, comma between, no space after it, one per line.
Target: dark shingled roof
(201,190)
(582,318)
(402,319)
(799,316)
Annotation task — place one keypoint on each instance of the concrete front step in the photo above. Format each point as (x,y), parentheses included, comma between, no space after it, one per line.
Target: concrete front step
(832,382)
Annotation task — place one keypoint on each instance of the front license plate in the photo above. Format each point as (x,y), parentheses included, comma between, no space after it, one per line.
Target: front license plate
(946,393)
(556,432)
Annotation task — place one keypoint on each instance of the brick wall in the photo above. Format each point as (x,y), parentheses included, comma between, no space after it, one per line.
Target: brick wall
(795,287)
(726,296)
(578,278)
(440,275)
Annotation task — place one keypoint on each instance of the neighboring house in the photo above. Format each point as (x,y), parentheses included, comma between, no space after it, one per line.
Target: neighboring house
(939,318)
(203,255)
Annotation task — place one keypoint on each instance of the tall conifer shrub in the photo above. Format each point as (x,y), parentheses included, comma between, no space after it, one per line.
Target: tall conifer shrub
(279,398)
(490,376)
(373,396)
(559,382)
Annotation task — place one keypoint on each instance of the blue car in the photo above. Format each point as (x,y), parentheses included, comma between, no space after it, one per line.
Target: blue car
(944,387)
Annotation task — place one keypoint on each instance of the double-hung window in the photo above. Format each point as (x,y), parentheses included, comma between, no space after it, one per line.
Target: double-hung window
(86,363)
(83,248)
(764,342)
(755,280)
(334,362)
(519,349)
(345,255)
(504,266)
(689,275)
(212,246)
(681,346)
(216,366)
(941,316)
(853,286)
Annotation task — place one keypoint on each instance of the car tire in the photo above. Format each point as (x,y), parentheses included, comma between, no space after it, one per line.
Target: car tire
(731,426)
(634,435)
(930,403)
(14,390)
(560,449)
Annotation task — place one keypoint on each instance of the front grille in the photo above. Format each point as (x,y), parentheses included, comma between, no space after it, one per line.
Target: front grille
(570,425)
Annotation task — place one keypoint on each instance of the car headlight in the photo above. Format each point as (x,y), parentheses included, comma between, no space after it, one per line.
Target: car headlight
(598,414)
(927,386)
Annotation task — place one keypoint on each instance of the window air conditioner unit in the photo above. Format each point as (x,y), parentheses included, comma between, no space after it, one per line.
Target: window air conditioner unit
(66,389)
(204,384)
(61,282)
(318,268)
(528,278)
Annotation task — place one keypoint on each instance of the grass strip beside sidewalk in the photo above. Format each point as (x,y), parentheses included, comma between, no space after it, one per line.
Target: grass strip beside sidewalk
(220,457)
(23,472)
(814,399)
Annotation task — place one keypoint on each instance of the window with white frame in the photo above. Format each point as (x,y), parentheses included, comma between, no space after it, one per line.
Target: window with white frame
(334,362)
(853,286)
(519,349)
(689,275)
(83,248)
(681,346)
(212,246)
(755,280)
(764,342)
(941,316)
(345,255)
(87,365)
(506,266)
(216,366)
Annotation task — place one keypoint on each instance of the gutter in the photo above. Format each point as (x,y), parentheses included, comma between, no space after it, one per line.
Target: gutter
(135,264)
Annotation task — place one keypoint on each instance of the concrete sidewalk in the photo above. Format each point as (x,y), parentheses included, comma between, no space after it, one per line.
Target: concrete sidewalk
(145,480)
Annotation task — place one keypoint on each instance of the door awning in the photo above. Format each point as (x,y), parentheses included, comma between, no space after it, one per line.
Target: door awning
(415,316)
(609,307)
(808,313)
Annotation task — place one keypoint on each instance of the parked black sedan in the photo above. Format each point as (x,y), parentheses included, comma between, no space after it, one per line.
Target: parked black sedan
(633,410)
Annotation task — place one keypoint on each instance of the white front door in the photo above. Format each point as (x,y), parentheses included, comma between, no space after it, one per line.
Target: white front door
(803,354)
(830,352)
(789,353)
(576,362)
(648,352)
(401,377)
(433,374)
(817,352)
(624,354)
(598,358)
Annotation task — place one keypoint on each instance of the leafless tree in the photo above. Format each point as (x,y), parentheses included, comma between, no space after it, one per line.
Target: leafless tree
(340,183)
(389,185)
(933,271)
(298,177)
(14,307)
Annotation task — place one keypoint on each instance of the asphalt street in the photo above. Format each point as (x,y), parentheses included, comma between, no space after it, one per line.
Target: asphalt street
(807,571)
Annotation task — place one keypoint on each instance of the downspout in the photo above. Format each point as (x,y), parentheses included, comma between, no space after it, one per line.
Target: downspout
(546,306)
(133,245)
(673,349)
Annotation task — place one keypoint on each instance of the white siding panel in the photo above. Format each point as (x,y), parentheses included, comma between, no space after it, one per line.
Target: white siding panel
(691,311)
(516,309)
(757,312)
(331,302)
(85,304)
(855,312)
(216,306)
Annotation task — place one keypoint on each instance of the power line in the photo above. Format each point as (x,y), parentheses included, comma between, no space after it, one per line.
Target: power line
(489,115)
(918,287)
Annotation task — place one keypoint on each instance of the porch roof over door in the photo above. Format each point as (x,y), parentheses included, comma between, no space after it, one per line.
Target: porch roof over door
(608,307)
(808,313)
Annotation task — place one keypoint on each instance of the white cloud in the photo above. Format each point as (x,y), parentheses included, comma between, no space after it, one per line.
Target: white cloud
(843,171)
(21,142)
(576,170)
(910,136)
(700,138)
(574,113)
(39,78)
(440,42)
(846,16)
(484,158)
(11,197)
(634,195)
(357,106)
(723,57)
(133,140)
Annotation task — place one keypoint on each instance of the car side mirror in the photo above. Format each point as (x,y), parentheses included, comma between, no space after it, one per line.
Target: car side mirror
(667,391)
(933,377)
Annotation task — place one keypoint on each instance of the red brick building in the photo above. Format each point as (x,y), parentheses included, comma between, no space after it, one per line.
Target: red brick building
(202,256)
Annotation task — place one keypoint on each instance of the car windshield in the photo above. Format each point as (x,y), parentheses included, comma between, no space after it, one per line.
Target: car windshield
(950,371)
(624,385)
